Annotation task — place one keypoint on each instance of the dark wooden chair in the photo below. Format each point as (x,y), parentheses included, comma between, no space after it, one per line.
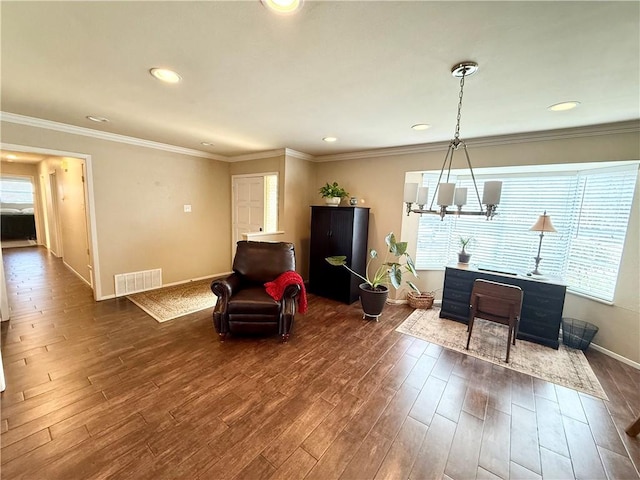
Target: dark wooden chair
(496,302)
(244,306)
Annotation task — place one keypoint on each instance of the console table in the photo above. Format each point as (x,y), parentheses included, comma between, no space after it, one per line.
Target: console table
(542,304)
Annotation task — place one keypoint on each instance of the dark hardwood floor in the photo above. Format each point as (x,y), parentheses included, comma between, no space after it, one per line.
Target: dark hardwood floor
(101,390)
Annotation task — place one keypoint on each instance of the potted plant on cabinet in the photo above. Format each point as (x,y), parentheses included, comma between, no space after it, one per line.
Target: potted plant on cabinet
(374,291)
(463,256)
(333,193)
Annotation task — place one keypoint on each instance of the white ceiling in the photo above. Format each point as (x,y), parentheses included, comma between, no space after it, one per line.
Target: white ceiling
(361,71)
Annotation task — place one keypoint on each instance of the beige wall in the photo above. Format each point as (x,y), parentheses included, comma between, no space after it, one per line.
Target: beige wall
(380,182)
(139,195)
(298,196)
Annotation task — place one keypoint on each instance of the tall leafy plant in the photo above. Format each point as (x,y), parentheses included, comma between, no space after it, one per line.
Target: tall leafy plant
(396,262)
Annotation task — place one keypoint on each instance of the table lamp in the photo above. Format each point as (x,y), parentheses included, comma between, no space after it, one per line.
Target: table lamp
(542,225)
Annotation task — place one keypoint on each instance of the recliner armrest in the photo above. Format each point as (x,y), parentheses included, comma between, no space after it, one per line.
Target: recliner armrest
(224,288)
(291,291)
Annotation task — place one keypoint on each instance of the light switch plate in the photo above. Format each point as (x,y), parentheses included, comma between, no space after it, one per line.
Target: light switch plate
(187,208)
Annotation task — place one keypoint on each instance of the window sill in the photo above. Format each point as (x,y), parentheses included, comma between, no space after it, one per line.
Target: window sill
(260,235)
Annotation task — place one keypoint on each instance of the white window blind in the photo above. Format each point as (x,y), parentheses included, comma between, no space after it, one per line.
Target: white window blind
(589,209)
(270,203)
(16,190)
(598,231)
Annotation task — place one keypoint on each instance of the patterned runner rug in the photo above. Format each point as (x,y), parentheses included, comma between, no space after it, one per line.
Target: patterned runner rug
(566,366)
(172,302)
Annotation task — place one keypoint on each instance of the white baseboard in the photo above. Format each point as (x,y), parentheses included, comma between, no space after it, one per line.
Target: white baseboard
(223,274)
(76,273)
(611,354)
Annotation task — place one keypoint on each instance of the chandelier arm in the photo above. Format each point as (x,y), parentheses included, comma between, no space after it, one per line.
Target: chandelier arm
(435,192)
(473,177)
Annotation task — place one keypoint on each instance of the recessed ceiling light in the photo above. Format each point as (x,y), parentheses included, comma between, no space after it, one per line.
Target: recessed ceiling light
(11,157)
(97,119)
(206,144)
(283,6)
(165,75)
(560,107)
(420,126)
(330,139)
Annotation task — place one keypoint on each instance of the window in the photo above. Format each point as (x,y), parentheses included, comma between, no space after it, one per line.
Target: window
(16,190)
(589,209)
(271,203)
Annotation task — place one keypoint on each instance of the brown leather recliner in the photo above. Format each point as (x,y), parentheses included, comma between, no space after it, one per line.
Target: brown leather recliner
(244,306)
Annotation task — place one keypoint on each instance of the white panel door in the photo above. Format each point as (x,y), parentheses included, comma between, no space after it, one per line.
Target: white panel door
(248,206)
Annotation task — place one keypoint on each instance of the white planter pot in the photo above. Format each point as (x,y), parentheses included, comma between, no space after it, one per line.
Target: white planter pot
(332,201)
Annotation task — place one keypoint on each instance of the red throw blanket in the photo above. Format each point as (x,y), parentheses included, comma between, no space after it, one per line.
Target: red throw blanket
(277,287)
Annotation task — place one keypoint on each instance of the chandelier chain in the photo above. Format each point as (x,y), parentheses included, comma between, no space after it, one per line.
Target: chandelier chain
(457,134)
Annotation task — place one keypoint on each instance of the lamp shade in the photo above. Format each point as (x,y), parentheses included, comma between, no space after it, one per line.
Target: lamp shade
(543,224)
(423,195)
(460,197)
(410,192)
(445,194)
(492,192)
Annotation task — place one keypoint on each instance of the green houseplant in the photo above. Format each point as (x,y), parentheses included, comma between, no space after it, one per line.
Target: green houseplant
(463,256)
(374,291)
(333,193)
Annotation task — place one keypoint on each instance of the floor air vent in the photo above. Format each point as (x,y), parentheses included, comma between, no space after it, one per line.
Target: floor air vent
(134,282)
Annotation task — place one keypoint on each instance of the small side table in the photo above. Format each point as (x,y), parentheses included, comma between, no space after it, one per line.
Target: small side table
(634,429)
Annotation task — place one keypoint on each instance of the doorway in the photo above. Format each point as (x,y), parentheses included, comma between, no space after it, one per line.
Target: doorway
(65,207)
(254,205)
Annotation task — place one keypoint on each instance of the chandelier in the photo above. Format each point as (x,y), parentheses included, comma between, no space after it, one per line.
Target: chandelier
(446,193)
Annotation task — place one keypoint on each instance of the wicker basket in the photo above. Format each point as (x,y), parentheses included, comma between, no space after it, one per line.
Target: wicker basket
(423,301)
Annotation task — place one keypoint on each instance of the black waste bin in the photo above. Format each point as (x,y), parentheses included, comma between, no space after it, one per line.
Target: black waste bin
(577,333)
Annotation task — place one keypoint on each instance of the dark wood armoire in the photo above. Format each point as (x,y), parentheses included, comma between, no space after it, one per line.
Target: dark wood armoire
(337,231)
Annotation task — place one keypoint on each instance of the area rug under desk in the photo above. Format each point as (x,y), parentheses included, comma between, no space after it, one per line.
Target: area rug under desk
(172,302)
(566,366)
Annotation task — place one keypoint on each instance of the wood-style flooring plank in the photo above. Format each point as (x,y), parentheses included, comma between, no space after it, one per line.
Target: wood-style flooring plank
(550,428)
(403,451)
(555,465)
(102,390)
(525,450)
(617,466)
(465,449)
(496,441)
(582,448)
(290,440)
(368,457)
(297,466)
(434,452)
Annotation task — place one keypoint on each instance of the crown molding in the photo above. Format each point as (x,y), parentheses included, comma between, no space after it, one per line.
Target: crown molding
(384,152)
(301,155)
(287,152)
(257,155)
(112,137)
(632,126)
